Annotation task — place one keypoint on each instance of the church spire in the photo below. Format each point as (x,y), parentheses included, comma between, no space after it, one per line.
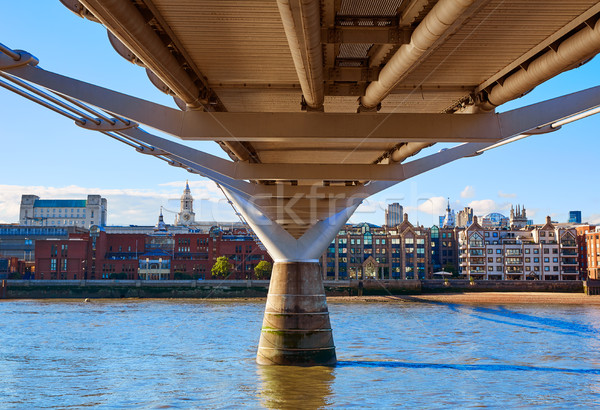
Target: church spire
(161,226)
(186,212)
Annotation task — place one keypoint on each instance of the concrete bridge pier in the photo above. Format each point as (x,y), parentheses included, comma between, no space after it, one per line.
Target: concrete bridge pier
(296,329)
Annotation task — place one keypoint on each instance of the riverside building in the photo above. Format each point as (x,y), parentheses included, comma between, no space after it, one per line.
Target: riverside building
(159,255)
(582,247)
(444,248)
(367,251)
(593,253)
(545,252)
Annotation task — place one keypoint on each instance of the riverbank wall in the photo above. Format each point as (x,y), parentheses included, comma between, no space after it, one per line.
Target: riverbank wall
(72,289)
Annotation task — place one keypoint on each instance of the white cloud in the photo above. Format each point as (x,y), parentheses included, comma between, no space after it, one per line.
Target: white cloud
(129,206)
(593,219)
(485,206)
(433,206)
(468,192)
(506,195)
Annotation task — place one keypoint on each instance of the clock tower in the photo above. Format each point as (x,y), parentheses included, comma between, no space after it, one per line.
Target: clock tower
(186,213)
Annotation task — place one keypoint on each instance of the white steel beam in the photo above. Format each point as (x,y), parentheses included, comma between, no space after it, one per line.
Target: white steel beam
(282,246)
(314,126)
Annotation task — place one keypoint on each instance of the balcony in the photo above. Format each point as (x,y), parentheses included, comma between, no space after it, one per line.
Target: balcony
(568,244)
(514,272)
(570,262)
(568,253)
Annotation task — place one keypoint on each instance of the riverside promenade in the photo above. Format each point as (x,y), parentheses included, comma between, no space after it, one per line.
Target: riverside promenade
(66,289)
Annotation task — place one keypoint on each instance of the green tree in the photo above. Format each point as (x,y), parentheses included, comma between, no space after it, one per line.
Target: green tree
(263,270)
(451,268)
(222,268)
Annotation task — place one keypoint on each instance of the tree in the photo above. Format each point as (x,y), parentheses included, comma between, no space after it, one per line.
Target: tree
(452,269)
(222,268)
(263,270)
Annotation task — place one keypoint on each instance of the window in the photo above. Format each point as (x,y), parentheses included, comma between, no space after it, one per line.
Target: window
(476,240)
(490,268)
(527,260)
(546,260)
(546,251)
(53,264)
(536,260)
(536,251)
(546,268)
(555,260)
(499,251)
(526,250)
(498,260)
(63,265)
(490,251)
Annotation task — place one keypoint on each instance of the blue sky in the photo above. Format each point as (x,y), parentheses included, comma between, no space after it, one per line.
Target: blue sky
(48,155)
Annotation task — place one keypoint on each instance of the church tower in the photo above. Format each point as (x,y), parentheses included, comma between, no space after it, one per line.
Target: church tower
(186,213)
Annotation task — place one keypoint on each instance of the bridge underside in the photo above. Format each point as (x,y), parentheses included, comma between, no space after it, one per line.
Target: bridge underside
(320,104)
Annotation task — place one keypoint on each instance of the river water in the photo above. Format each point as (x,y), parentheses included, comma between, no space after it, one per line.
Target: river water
(200,354)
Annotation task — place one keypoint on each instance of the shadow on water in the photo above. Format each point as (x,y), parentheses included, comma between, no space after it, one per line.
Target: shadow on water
(293,387)
(463,367)
(549,324)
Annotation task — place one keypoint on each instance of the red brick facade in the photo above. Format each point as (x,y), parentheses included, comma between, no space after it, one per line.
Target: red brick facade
(107,256)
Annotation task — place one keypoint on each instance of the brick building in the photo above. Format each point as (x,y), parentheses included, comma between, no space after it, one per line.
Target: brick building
(159,255)
(582,253)
(367,251)
(593,253)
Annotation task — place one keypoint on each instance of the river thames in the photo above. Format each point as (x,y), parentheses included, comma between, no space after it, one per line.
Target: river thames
(200,354)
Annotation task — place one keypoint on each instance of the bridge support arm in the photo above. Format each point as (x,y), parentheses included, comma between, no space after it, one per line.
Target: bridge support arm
(296,328)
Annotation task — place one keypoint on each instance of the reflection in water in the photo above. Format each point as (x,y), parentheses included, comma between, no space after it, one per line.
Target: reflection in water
(292,387)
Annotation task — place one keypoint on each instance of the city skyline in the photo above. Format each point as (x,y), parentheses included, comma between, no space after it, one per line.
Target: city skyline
(67,161)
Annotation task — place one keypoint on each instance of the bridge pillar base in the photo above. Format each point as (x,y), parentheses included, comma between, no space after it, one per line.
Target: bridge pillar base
(296,328)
